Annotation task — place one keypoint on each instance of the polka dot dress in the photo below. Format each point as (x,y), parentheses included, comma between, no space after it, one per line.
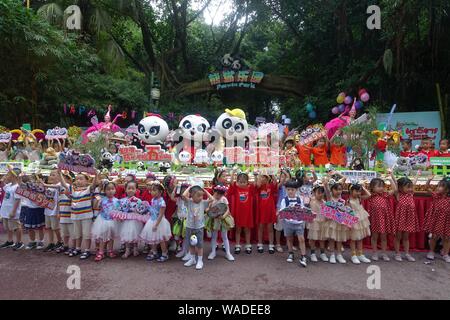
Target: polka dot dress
(437,218)
(381,213)
(406,218)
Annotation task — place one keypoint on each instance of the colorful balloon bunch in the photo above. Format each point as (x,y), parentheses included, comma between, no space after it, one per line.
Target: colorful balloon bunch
(311,109)
(345,101)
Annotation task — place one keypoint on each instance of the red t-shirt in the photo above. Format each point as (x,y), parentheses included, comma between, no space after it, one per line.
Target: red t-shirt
(120,192)
(304,154)
(171,206)
(320,156)
(242,205)
(146,196)
(407,153)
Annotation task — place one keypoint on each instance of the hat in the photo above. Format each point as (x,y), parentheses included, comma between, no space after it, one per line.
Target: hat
(238,113)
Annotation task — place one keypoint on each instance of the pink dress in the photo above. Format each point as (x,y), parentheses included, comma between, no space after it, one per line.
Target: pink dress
(437,218)
(406,218)
(381,213)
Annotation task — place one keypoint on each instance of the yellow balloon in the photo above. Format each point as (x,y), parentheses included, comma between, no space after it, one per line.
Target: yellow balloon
(340,99)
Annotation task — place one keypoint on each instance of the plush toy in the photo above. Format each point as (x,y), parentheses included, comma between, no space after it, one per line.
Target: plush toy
(164,167)
(403,166)
(140,166)
(233,127)
(152,130)
(50,160)
(107,160)
(383,138)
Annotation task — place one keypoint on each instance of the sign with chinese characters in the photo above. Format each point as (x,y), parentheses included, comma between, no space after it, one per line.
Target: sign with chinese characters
(76,162)
(440,161)
(235,79)
(297,213)
(38,194)
(339,212)
(4,166)
(151,153)
(359,175)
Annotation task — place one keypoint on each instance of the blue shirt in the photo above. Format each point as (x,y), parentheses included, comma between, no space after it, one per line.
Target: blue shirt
(155,207)
(107,205)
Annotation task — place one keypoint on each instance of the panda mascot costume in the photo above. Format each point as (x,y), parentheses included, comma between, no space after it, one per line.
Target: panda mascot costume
(233,128)
(152,130)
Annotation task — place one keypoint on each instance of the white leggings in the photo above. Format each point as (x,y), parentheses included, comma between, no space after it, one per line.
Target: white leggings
(226,243)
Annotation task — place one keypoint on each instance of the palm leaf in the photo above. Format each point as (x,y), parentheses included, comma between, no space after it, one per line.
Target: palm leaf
(51,12)
(100,20)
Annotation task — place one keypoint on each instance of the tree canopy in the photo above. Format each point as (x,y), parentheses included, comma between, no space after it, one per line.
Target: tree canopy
(309,50)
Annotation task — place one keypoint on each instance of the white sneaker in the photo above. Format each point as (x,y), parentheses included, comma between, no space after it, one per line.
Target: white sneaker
(385,257)
(323,257)
(180,254)
(398,257)
(190,262)
(410,258)
(199,265)
(340,259)
(430,255)
(290,258)
(229,257)
(303,262)
(212,255)
(375,257)
(446,258)
(355,260)
(363,259)
(187,257)
(313,257)
(333,259)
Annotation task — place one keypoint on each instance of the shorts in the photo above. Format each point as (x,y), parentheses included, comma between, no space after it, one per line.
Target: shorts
(11,224)
(198,233)
(279,225)
(52,222)
(66,229)
(82,229)
(293,229)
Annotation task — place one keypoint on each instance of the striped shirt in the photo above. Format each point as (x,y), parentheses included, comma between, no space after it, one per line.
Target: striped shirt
(81,204)
(65,206)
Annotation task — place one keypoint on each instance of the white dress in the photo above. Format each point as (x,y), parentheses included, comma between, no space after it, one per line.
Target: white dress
(163,232)
(104,228)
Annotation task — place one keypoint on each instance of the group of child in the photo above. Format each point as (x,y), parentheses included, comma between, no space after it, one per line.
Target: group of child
(85,205)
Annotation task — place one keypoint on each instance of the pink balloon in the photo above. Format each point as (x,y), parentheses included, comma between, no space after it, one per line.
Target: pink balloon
(361,92)
(335,110)
(348,100)
(365,97)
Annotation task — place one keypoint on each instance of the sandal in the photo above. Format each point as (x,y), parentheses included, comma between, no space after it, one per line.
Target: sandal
(85,255)
(99,257)
(126,254)
(136,252)
(163,258)
(112,254)
(74,253)
(152,257)
(260,248)
(237,249)
(271,249)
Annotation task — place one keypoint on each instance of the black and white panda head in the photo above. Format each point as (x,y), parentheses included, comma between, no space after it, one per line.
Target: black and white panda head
(194,127)
(227,60)
(232,125)
(106,155)
(236,65)
(152,130)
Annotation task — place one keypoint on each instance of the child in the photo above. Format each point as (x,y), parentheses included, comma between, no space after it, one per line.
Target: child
(304,154)
(406,148)
(169,184)
(121,189)
(5,150)
(157,229)
(130,230)
(65,222)
(195,223)
(146,195)
(32,218)
(220,223)
(242,195)
(81,214)
(10,210)
(180,216)
(406,218)
(437,218)
(293,228)
(444,148)
(382,218)
(319,153)
(285,176)
(338,154)
(426,148)
(317,228)
(265,210)
(105,229)
(361,229)
(336,233)
(51,215)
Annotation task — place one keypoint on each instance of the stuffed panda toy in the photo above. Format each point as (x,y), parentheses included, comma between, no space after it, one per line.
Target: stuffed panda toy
(164,167)
(152,130)
(107,160)
(233,127)
(140,166)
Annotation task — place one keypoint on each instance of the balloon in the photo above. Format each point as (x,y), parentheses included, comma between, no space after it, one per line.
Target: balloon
(341,97)
(312,115)
(365,97)
(309,107)
(358,105)
(361,92)
(341,108)
(348,100)
(335,110)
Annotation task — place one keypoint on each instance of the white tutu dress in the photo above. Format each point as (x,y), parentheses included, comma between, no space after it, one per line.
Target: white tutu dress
(104,228)
(163,232)
(131,229)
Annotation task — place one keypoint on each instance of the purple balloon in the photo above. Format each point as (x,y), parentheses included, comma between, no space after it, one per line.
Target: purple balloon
(335,110)
(341,108)
(348,100)
(358,105)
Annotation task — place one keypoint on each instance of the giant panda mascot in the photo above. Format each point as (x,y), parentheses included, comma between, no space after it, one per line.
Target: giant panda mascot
(152,130)
(233,127)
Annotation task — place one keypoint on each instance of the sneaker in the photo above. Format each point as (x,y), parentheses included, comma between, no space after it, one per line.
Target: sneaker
(248,249)
(152,257)
(74,253)
(355,260)
(61,249)
(58,246)
(446,258)
(18,246)
(302,262)
(122,248)
(7,244)
(385,257)
(50,247)
(229,257)
(340,259)
(163,258)
(332,259)
(363,259)
(199,265)
(187,257)
(237,249)
(190,262)
(271,249)
(313,257)
(278,248)
(323,257)
(85,255)
(180,254)
(430,255)
(398,257)
(290,257)
(260,248)
(410,258)
(31,245)
(212,255)
(40,245)
(375,257)
(223,248)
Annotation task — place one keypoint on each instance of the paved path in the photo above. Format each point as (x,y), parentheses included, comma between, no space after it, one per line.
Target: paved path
(39,275)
